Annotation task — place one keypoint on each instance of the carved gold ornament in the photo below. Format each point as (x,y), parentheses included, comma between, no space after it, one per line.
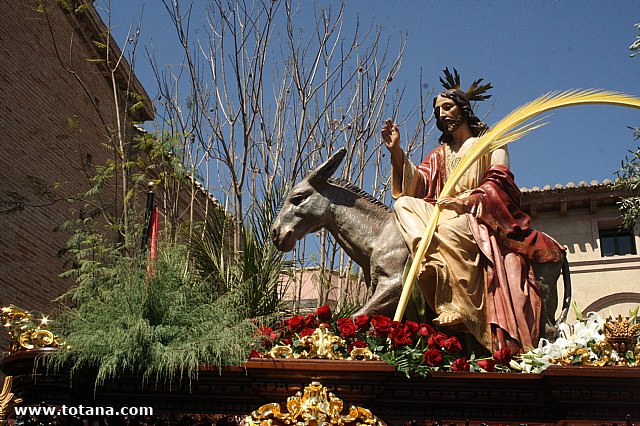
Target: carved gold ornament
(603,351)
(363,354)
(621,333)
(315,406)
(25,331)
(322,344)
(8,401)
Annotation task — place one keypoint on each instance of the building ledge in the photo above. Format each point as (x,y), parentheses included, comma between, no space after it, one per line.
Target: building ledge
(606,264)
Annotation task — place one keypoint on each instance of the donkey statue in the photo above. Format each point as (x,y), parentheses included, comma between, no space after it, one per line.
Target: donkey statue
(365,228)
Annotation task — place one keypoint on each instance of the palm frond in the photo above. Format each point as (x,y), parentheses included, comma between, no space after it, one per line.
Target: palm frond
(451,81)
(504,132)
(477,91)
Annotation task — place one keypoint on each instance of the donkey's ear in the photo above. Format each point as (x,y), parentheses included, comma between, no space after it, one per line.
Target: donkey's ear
(328,168)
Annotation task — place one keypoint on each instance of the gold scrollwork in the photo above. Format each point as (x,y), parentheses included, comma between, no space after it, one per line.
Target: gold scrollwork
(8,401)
(603,349)
(25,331)
(582,356)
(363,354)
(281,352)
(314,406)
(322,344)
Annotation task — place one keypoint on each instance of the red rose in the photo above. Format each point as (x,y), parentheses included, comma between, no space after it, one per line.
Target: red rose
(267,336)
(486,364)
(311,321)
(362,321)
(381,325)
(324,313)
(399,338)
(346,327)
(452,344)
(503,356)
(357,344)
(395,327)
(436,341)
(411,328)
(296,323)
(433,357)
(255,354)
(285,333)
(460,364)
(307,332)
(282,327)
(425,330)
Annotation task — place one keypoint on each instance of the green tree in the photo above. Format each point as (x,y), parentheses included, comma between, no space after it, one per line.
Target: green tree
(629,172)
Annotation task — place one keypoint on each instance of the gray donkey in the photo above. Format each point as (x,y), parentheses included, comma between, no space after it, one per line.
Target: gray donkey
(365,228)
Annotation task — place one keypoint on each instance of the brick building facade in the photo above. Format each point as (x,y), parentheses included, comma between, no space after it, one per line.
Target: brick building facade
(56,106)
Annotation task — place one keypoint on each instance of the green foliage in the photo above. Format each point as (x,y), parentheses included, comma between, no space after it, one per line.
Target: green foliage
(42,193)
(161,157)
(629,180)
(137,102)
(99,45)
(629,173)
(161,325)
(73,122)
(254,268)
(635,46)
(12,202)
(198,306)
(72,6)
(91,253)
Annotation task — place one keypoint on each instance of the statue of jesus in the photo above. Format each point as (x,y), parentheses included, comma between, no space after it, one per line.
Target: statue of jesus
(477,274)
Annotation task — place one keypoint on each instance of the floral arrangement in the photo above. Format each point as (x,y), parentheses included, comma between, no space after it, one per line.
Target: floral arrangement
(411,347)
(590,341)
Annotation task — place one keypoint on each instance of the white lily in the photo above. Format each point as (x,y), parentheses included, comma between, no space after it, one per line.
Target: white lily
(582,334)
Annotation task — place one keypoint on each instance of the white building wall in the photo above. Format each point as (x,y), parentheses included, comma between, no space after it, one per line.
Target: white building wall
(608,285)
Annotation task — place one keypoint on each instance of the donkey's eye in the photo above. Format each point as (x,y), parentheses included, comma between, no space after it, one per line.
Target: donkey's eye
(298,199)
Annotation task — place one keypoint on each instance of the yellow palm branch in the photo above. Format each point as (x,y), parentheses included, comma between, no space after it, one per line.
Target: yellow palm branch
(505,131)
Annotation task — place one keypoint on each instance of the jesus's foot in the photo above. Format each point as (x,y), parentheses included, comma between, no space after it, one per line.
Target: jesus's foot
(448,318)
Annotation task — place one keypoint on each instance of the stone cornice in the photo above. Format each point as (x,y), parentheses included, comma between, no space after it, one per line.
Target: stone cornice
(562,198)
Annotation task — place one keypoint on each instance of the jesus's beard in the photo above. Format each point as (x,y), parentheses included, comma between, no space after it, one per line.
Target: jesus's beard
(453,124)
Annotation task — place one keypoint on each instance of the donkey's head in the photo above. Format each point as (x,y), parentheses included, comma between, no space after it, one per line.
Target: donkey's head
(305,209)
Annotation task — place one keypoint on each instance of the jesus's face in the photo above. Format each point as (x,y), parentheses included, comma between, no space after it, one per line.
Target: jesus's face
(448,113)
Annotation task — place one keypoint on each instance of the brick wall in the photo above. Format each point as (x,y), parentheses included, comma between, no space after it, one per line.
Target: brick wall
(38,98)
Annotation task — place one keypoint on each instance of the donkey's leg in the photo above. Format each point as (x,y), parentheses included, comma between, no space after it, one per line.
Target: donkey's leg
(387,266)
(384,300)
(547,275)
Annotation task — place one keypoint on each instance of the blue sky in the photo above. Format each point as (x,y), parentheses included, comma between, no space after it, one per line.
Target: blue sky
(524,48)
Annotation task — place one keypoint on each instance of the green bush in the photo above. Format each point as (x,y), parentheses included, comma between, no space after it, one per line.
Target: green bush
(162,324)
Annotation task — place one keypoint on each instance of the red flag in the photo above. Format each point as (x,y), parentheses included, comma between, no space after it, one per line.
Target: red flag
(153,234)
(152,238)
